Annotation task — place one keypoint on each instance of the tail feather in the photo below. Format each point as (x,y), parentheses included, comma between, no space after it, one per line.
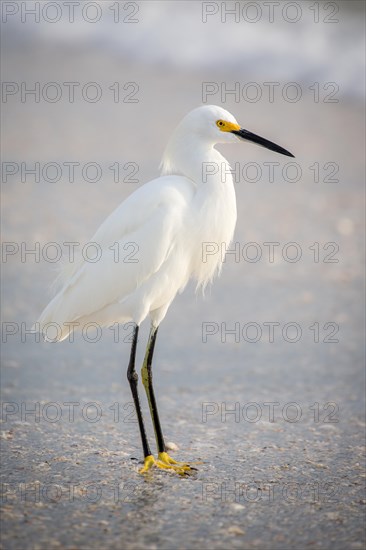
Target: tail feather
(50,323)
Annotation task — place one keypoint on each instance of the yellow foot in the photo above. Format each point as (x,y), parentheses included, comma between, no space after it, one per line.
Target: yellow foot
(166,462)
(149,461)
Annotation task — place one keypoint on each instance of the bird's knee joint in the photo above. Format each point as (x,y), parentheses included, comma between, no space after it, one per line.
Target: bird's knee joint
(146,375)
(132,376)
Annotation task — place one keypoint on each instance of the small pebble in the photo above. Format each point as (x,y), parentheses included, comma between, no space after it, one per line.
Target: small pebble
(170,446)
(235,530)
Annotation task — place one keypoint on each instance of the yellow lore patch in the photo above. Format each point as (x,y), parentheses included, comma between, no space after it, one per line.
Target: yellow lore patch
(226,126)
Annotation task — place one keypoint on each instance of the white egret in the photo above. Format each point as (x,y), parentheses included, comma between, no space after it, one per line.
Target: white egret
(168,219)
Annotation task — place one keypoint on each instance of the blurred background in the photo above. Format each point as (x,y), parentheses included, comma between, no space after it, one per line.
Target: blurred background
(111,81)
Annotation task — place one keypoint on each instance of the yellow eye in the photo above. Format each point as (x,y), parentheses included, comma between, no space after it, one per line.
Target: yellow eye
(226,126)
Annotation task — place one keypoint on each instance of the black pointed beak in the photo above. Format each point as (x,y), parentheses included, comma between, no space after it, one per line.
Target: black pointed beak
(249,136)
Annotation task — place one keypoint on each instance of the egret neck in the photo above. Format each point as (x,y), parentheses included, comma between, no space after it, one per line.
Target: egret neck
(213,211)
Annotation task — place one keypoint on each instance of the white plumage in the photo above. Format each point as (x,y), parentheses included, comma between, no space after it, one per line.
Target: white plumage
(165,223)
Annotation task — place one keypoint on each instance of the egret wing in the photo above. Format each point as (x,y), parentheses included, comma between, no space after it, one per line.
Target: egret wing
(134,241)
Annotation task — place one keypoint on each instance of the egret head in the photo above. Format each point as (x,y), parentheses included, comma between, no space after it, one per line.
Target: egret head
(216,125)
(198,132)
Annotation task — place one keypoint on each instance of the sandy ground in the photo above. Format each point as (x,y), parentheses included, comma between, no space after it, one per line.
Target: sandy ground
(284,470)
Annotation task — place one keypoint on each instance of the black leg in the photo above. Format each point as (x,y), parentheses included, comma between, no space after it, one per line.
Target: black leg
(146,373)
(133,379)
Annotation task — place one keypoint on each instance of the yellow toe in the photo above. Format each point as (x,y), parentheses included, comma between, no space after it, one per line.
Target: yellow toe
(167,462)
(149,462)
